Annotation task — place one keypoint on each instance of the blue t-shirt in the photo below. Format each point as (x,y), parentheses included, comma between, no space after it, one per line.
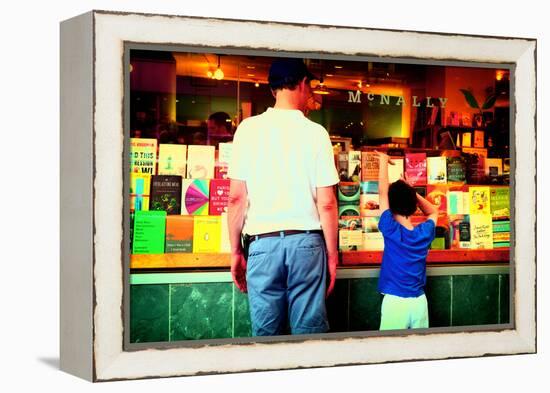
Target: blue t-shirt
(403,270)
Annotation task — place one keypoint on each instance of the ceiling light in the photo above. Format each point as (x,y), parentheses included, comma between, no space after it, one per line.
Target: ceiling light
(218,74)
(338,67)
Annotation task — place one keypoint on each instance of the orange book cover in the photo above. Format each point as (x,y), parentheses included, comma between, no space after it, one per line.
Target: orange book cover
(179,234)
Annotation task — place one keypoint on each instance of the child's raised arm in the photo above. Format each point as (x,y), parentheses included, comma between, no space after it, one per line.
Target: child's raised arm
(383,182)
(427,208)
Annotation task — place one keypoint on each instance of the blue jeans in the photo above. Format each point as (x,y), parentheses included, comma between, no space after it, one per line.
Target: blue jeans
(286,280)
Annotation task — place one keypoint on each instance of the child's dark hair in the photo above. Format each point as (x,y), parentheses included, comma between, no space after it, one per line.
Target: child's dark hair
(402,198)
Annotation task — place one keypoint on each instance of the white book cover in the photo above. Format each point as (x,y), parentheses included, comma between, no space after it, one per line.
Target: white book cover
(395,171)
(200,161)
(437,170)
(225,244)
(172,160)
(373,241)
(224,155)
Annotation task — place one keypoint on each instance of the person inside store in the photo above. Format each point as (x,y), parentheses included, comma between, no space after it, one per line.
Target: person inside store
(282,197)
(403,270)
(219,128)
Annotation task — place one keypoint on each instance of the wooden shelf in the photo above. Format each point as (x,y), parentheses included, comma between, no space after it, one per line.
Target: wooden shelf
(180,260)
(351,258)
(348,258)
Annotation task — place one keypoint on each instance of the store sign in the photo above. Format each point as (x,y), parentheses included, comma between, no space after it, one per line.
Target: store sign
(355,98)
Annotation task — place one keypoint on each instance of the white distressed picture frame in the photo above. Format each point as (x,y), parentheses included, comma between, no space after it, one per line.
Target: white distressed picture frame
(92,193)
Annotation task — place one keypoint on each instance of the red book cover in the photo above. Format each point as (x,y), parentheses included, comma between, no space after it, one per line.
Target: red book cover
(415,168)
(219,196)
(437,195)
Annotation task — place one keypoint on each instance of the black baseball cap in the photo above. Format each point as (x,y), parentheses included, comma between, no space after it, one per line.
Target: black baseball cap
(288,71)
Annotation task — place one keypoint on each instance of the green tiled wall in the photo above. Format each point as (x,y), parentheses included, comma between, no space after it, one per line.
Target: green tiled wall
(172,312)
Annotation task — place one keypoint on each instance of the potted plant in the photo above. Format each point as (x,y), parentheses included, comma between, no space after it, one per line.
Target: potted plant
(489,102)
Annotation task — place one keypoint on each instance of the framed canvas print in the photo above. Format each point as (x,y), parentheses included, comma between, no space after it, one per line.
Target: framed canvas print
(157,116)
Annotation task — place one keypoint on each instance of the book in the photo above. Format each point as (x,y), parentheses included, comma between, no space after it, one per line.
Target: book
(501,237)
(415,168)
(349,240)
(172,160)
(354,166)
(422,191)
(195,197)
(466,139)
(349,222)
(501,244)
(456,170)
(225,244)
(369,187)
(437,170)
(369,166)
(438,243)
(179,234)
(207,234)
(481,231)
(219,196)
(373,241)
(348,192)
(370,224)
(143,155)
(479,138)
(223,159)
(200,161)
(396,171)
(149,229)
(501,226)
(500,202)
(493,167)
(345,210)
(369,200)
(464,234)
(140,188)
(437,195)
(166,193)
(475,164)
(479,197)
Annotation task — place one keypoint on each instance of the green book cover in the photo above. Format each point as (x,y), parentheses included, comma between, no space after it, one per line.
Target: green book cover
(501,244)
(438,243)
(501,226)
(149,228)
(500,202)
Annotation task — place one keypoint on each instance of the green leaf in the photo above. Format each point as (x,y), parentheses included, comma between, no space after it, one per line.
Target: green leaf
(490,101)
(470,98)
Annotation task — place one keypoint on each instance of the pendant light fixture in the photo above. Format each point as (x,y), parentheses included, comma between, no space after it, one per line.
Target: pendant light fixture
(218,74)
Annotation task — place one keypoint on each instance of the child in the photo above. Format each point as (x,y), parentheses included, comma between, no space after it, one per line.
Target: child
(403,270)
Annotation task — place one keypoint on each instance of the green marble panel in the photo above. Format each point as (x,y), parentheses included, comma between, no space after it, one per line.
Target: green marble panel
(241,314)
(504,298)
(338,307)
(475,300)
(438,293)
(201,311)
(365,303)
(148,313)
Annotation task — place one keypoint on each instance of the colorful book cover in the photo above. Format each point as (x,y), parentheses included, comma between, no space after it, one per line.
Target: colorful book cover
(346,210)
(354,166)
(219,196)
(369,187)
(479,138)
(342,166)
(143,155)
(369,166)
(464,235)
(369,205)
(172,160)
(195,197)
(207,234)
(501,244)
(437,195)
(348,192)
(459,231)
(480,200)
(370,224)
(493,167)
(466,139)
(179,234)
(501,226)
(166,193)
(438,243)
(349,240)
(481,231)
(200,161)
(456,170)
(140,188)
(221,171)
(225,245)
(396,171)
(500,202)
(415,168)
(149,229)
(501,237)
(349,222)
(437,170)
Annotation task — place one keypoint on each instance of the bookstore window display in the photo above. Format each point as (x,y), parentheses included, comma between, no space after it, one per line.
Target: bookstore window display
(417,114)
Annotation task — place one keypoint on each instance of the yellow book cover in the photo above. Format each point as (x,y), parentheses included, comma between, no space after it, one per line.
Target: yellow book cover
(172,159)
(143,155)
(207,234)
(481,231)
(140,187)
(480,199)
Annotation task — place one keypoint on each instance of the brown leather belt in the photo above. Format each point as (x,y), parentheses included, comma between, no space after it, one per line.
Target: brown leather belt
(283,233)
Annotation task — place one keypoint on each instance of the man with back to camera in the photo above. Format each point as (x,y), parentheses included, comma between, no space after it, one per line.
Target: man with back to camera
(282,194)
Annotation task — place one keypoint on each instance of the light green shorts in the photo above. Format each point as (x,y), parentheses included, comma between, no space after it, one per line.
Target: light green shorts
(404,312)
